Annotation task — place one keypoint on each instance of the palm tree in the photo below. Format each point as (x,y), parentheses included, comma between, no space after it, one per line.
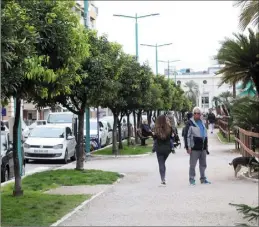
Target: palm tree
(249,13)
(240,59)
(193,91)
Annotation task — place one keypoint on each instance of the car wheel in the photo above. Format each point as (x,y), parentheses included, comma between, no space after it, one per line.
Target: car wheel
(65,160)
(27,160)
(73,158)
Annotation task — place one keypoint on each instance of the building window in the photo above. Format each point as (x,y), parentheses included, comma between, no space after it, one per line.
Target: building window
(205,102)
(179,82)
(205,82)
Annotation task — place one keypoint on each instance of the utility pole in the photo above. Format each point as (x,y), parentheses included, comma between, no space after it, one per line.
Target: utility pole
(136,17)
(156,46)
(168,66)
(19,140)
(87,109)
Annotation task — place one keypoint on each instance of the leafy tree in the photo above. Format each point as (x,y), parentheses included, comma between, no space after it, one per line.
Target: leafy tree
(192,92)
(249,13)
(244,111)
(18,63)
(240,59)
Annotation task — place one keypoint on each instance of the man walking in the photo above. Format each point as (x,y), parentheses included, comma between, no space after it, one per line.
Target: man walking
(211,119)
(197,146)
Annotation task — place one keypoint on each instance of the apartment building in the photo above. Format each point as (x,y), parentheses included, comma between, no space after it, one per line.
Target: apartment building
(207,81)
(28,110)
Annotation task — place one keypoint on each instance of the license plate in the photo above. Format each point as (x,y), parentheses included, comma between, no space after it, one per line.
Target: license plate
(40,151)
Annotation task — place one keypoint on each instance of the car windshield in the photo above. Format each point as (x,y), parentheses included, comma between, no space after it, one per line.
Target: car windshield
(47,132)
(3,141)
(60,118)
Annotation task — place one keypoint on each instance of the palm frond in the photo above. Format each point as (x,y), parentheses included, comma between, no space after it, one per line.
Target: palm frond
(249,13)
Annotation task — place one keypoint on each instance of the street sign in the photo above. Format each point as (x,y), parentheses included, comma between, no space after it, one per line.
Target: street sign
(3,112)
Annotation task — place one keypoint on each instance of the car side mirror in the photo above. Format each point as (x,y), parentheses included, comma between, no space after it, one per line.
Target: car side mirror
(10,146)
(70,137)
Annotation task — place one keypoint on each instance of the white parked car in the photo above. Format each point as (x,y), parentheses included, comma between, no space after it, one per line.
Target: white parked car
(107,128)
(36,123)
(50,142)
(62,118)
(103,133)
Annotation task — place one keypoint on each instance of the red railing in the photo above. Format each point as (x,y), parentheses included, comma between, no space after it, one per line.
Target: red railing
(245,141)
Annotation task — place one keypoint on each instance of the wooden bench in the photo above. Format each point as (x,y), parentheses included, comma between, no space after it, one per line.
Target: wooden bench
(142,138)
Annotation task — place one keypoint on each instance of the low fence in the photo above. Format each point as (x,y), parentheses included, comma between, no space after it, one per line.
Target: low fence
(224,127)
(247,142)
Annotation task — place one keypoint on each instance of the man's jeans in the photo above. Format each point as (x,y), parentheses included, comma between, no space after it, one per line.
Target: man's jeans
(194,157)
(211,126)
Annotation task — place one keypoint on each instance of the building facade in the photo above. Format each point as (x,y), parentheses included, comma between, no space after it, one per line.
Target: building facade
(207,81)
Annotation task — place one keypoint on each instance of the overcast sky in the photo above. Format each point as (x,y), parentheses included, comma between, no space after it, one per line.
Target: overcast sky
(194,27)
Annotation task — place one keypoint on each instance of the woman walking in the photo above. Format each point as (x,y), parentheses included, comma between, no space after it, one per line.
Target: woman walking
(162,134)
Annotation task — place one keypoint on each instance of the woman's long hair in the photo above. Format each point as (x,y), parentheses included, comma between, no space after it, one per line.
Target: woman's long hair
(163,127)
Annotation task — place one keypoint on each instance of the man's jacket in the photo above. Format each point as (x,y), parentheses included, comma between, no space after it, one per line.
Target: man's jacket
(193,138)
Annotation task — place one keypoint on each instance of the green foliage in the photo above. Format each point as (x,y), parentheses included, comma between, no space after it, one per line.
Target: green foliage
(245,113)
(249,13)
(250,213)
(240,59)
(18,39)
(192,92)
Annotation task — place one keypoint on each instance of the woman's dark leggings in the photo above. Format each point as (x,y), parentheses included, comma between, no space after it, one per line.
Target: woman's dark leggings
(161,158)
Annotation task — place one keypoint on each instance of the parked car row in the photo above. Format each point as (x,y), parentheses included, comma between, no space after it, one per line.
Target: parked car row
(7,164)
(54,139)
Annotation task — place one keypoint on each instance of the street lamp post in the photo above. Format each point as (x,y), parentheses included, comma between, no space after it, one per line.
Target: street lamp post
(168,66)
(136,17)
(156,46)
(87,109)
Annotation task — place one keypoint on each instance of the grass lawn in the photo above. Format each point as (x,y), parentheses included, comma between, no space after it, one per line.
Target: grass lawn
(225,140)
(131,150)
(36,208)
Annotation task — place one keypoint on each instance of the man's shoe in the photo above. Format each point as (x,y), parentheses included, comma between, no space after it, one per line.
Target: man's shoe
(173,151)
(163,182)
(205,181)
(192,182)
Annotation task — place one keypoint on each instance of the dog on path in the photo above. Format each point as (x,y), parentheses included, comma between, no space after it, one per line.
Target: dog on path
(249,162)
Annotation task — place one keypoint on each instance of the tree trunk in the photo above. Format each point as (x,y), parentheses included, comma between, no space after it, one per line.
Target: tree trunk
(135,127)
(120,137)
(114,134)
(80,151)
(234,90)
(139,120)
(17,175)
(149,117)
(129,130)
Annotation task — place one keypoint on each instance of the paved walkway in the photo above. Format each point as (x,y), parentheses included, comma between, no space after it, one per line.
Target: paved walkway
(139,200)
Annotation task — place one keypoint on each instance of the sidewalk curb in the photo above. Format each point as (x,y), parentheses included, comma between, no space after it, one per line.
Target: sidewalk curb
(123,156)
(248,178)
(68,215)
(26,175)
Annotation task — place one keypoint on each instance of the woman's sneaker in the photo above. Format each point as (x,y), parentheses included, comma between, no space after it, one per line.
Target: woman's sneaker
(192,182)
